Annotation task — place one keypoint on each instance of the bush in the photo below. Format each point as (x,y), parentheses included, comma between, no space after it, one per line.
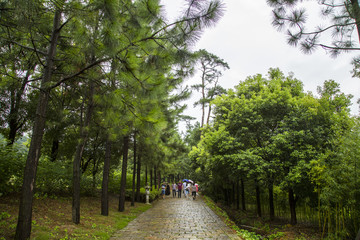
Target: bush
(153,195)
(12,163)
(53,177)
(115,179)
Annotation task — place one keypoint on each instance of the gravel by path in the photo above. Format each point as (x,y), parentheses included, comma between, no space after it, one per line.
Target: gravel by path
(177,218)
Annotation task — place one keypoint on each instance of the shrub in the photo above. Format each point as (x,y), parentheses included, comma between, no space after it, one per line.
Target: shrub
(153,195)
(53,177)
(12,162)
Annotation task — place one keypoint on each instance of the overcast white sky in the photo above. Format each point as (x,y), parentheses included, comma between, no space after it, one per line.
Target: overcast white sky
(247,41)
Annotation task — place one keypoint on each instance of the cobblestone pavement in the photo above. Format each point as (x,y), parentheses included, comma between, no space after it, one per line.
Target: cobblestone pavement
(177,218)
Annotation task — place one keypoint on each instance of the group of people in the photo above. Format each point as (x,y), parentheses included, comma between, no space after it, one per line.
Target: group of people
(186,187)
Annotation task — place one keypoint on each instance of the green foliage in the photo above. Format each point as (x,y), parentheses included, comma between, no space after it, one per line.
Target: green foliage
(12,162)
(54,177)
(114,181)
(269,133)
(248,235)
(241,232)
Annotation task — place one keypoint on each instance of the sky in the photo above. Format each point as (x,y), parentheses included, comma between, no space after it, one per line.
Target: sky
(246,40)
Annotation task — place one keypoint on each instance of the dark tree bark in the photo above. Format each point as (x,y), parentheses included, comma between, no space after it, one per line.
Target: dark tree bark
(258,200)
(134,174)
(54,149)
(243,205)
(232,194)
(14,121)
(23,228)
(84,133)
(237,195)
(105,180)
(292,204)
(138,175)
(146,175)
(271,201)
(123,174)
(151,179)
(155,178)
(159,180)
(356,15)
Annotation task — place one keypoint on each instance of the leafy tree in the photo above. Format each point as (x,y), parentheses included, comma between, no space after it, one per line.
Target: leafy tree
(270,132)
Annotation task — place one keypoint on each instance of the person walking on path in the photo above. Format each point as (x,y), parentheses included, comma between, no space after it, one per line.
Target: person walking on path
(184,189)
(163,187)
(167,191)
(179,186)
(174,189)
(193,191)
(188,189)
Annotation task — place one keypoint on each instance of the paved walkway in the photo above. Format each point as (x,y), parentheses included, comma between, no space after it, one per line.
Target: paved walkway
(177,218)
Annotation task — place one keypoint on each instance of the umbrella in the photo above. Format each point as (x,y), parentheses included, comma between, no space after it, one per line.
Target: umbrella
(185,180)
(191,181)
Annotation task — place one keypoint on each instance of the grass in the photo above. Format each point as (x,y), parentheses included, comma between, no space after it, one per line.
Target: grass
(261,229)
(52,218)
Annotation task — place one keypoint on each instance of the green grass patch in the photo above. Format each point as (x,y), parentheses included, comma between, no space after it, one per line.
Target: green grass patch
(52,218)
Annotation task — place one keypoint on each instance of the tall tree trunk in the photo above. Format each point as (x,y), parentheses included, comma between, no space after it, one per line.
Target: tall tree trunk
(123,174)
(203,100)
(155,177)
(356,15)
(105,180)
(16,98)
(159,180)
(243,195)
(54,148)
(151,179)
(146,175)
(226,195)
(258,200)
(84,133)
(208,117)
(233,194)
(94,172)
(138,175)
(134,174)
(292,204)
(271,201)
(23,228)
(237,194)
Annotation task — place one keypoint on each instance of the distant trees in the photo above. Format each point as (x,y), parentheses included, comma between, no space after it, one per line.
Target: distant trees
(270,135)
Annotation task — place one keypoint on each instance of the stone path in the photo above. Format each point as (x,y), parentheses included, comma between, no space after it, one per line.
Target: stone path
(177,218)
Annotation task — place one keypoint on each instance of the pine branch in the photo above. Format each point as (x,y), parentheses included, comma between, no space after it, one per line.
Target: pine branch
(79,72)
(26,47)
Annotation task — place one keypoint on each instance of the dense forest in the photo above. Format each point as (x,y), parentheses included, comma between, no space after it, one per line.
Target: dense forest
(92,94)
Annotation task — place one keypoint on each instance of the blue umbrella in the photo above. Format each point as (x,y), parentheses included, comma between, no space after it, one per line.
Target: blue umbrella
(185,180)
